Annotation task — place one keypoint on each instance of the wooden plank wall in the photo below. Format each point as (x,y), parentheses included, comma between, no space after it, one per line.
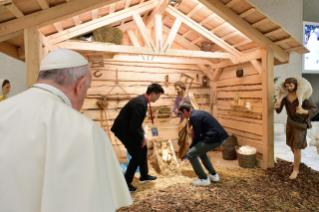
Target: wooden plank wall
(245,125)
(134,79)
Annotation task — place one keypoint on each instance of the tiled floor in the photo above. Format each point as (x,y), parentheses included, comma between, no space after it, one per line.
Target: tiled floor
(309,155)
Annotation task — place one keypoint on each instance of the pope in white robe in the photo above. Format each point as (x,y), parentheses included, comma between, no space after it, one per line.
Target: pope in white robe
(53,158)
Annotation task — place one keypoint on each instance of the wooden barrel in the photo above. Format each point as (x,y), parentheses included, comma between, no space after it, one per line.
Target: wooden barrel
(229,151)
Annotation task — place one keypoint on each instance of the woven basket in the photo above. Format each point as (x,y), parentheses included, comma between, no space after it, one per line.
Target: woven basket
(246,161)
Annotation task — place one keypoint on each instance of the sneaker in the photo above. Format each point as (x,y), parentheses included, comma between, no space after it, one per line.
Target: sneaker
(201,182)
(214,177)
(131,188)
(147,178)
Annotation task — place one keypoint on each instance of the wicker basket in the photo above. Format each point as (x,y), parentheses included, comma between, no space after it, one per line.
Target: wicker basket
(246,161)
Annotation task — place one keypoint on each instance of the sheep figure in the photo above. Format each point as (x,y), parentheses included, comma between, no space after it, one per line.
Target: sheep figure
(315,142)
(304,90)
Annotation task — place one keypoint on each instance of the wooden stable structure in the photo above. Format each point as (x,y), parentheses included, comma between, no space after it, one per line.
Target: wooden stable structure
(163,39)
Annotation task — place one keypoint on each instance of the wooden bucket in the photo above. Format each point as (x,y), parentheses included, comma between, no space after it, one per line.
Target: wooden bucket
(229,151)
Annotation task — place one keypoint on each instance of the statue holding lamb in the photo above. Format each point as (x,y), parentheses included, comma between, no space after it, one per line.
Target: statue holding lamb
(294,93)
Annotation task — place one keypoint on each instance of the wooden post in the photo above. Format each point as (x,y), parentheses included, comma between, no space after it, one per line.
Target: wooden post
(267,76)
(33,53)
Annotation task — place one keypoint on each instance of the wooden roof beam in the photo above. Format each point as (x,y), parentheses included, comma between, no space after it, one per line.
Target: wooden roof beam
(10,50)
(287,40)
(12,35)
(52,15)
(159,10)
(133,38)
(14,9)
(159,60)
(112,8)
(126,26)
(203,31)
(158,32)
(76,20)
(182,41)
(273,32)
(139,50)
(44,4)
(242,43)
(194,10)
(232,2)
(197,40)
(127,4)
(172,34)
(231,35)
(209,18)
(244,27)
(257,24)
(248,12)
(103,21)
(143,31)
(58,26)
(95,14)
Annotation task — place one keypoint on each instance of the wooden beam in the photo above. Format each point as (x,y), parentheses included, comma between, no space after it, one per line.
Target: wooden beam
(248,12)
(143,31)
(231,35)
(244,27)
(10,50)
(95,14)
(44,4)
(197,40)
(159,32)
(133,38)
(287,40)
(76,20)
(103,21)
(257,65)
(112,9)
(231,3)
(205,71)
(182,41)
(194,10)
(158,60)
(127,26)
(209,18)
(21,52)
(32,54)
(203,31)
(257,24)
(52,15)
(58,26)
(14,9)
(45,42)
(273,32)
(268,108)
(127,4)
(159,10)
(243,43)
(12,35)
(172,34)
(138,50)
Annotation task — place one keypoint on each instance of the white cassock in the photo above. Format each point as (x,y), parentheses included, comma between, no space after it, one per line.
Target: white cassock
(54,159)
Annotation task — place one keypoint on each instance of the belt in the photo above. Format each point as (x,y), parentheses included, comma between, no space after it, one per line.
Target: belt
(297,125)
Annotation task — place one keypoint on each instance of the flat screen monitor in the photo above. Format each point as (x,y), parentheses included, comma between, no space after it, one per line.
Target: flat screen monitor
(310,60)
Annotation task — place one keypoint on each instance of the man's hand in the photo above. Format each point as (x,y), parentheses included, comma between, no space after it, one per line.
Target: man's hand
(144,143)
(277,105)
(300,110)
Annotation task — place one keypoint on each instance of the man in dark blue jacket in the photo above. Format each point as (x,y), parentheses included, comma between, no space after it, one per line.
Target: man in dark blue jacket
(208,134)
(129,130)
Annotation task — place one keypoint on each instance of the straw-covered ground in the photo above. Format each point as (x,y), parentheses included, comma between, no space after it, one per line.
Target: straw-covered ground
(238,190)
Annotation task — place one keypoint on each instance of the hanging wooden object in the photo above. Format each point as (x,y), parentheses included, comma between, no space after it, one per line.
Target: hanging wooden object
(95,61)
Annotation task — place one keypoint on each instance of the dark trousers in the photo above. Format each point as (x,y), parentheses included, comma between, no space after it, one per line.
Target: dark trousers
(139,159)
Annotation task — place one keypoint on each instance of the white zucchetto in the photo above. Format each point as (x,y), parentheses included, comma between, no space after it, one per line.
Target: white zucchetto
(62,58)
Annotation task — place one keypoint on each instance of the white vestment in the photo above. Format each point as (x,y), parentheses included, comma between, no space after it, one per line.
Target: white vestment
(54,159)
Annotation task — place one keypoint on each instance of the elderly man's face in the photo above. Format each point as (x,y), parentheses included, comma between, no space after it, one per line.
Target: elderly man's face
(291,87)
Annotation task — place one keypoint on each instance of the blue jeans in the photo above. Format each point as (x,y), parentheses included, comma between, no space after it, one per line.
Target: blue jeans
(200,150)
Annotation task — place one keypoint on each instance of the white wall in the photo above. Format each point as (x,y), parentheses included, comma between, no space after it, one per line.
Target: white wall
(15,71)
(288,14)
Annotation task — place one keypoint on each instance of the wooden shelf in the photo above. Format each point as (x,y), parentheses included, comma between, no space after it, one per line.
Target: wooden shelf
(240,108)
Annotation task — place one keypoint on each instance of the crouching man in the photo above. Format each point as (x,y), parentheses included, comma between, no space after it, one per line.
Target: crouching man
(208,134)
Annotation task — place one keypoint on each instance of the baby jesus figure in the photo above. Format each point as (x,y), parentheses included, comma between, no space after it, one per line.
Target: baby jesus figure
(165,152)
